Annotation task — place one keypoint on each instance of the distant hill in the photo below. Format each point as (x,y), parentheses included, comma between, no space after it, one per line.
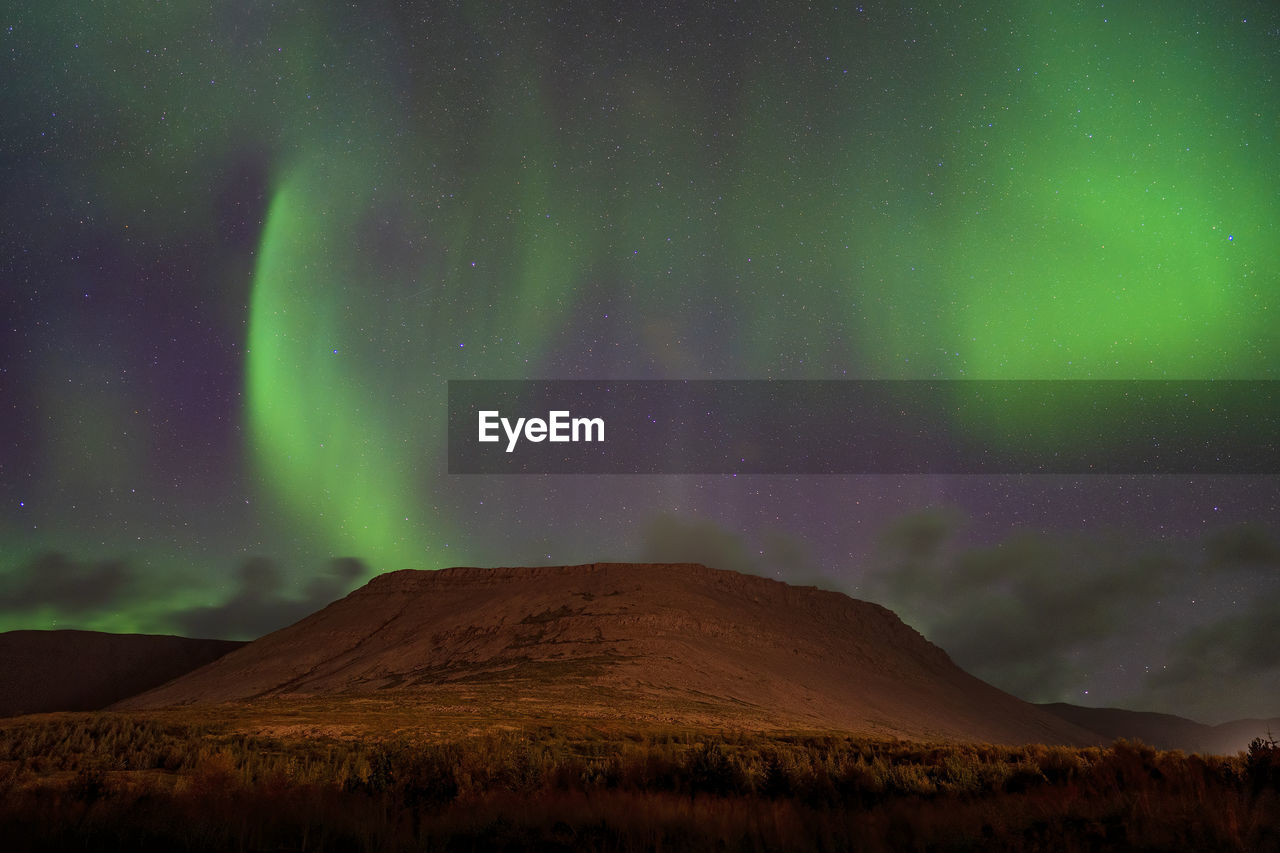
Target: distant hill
(1166,731)
(87,670)
(731,648)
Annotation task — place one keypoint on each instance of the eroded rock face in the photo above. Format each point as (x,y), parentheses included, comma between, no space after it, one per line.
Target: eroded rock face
(780,654)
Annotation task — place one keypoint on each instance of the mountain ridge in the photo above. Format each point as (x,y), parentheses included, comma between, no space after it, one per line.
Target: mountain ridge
(774,654)
(1165,731)
(560,645)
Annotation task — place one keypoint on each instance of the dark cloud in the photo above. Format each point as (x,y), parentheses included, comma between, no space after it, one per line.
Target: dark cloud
(1020,613)
(671,540)
(912,553)
(67,586)
(1054,617)
(258,606)
(76,593)
(1235,656)
(1242,546)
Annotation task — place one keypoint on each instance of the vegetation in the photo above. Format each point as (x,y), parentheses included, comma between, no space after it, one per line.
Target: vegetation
(168,782)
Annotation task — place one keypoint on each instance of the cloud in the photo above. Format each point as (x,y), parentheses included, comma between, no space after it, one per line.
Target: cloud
(1236,656)
(1241,547)
(671,540)
(71,587)
(1020,613)
(1072,617)
(258,607)
(85,593)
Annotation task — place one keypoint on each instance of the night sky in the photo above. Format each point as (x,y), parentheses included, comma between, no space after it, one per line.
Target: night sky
(244,248)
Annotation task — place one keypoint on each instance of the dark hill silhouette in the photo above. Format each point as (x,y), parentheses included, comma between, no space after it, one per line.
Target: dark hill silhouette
(744,650)
(1166,731)
(86,670)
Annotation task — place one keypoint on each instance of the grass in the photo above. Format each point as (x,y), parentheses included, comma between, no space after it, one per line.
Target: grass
(319,777)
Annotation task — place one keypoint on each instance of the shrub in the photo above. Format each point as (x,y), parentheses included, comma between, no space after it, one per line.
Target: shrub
(1262,763)
(711,771)
(89,786)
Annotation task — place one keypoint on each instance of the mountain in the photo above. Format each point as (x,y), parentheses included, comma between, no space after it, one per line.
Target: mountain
(1166,731)
(673,642)
(87,670)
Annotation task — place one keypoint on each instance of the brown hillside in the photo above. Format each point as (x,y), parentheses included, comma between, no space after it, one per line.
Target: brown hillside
(746,650)
(87,670)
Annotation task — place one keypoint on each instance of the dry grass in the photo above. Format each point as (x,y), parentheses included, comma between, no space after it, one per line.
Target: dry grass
(317,777)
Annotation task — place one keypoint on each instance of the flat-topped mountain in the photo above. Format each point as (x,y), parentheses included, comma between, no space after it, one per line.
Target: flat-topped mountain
(87,670)
(657,635)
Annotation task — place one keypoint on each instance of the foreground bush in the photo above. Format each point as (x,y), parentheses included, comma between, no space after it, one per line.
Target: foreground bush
(112,782)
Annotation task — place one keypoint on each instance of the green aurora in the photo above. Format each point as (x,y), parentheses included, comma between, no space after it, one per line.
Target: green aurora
(251,245)
(1074,195)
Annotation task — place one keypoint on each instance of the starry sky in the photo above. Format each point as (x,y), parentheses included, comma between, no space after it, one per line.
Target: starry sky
(245,246)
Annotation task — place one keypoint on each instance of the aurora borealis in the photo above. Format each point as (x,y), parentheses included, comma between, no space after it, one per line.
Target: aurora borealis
(245,247)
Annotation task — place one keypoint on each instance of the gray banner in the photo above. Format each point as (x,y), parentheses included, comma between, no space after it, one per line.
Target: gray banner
(863,427)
